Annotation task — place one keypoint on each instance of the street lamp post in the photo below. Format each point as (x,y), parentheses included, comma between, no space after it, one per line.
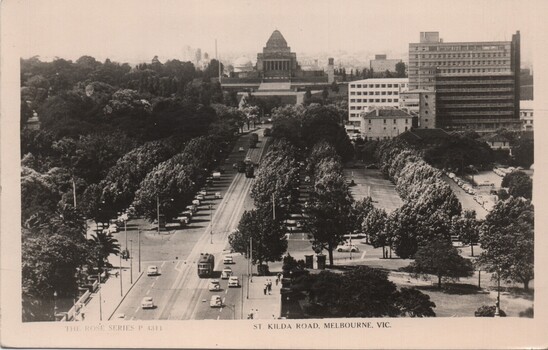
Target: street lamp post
(158,212)
(139,240)
(100,299)
(131,261)
(55,305)
(121,290)
(211,222)
(497,309)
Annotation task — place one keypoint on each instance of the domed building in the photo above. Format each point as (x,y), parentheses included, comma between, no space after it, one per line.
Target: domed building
(243,64)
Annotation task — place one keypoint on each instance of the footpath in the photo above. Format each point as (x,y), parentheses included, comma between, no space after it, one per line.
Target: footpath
(106,299)
(261,304)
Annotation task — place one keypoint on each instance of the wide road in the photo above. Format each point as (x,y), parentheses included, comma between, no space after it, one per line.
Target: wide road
(177,291)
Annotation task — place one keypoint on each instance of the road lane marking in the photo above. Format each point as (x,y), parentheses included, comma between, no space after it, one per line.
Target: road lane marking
(148,292)
(226,291)
(136,310)
(218,317)
(163,264)
(363,255)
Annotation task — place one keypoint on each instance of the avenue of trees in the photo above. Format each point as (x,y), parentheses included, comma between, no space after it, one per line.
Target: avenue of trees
(110,136)
(329,214)
(429,204)
(519,184)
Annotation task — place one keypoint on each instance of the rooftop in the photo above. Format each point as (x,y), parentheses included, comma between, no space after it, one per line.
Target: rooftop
(424,134)
(386,112)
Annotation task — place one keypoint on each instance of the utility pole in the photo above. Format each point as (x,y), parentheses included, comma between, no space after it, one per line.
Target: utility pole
(158,211)
(125,231)
(100,300)
(131,261)
(121,288)
(273,206)
(74,191)
(139,240)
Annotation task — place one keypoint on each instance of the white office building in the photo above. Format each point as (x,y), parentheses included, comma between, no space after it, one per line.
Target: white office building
(526,114)
(369,93)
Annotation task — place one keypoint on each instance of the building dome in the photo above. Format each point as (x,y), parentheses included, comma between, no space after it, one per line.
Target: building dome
(243,64)
(276,40)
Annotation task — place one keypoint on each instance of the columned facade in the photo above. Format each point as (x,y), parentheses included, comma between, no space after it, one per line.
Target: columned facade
(277,62)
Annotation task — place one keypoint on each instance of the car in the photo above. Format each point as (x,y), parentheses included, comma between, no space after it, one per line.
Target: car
(200,197)
(241,149)
(228,260)
(307,179)
(214,285)
(196,202)
(348,248)
(152,270)
(225,274)
(147,303)
(193,208)
(218,195)
(215,301)
(119,316)
(187,213)
(235,166)
(203,193)
(233,281)
(247,160)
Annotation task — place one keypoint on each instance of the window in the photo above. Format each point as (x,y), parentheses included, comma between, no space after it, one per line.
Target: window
(384,121)
(389,100)
(352,93)
(369,129)
(359,86)
(383,85)
(377,92)
(395,92)
(369,122)
(406,121)
(353,85)
(383,92)
(353,100)
(394,128)
(389,85)
(425,112)
(359,93)
(383,100)
(384,128)
(406,128)
(426,120)
(377,100)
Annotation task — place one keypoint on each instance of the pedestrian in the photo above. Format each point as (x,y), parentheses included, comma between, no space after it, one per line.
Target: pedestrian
(269,286)
(265,288)
(277,282)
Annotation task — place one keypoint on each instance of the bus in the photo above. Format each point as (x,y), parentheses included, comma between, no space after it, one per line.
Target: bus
(206,264)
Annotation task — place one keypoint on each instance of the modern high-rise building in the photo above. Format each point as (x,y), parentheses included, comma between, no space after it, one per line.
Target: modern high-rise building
(476,83)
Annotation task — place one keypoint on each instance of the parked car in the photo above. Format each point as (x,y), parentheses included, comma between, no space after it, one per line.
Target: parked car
(241,149)
(348,248)
(226,273)
(214,285)
(218,195)
(216,301)
(235,166)
(152,270)
(147,303)
(233,281)
(187,213)
(228,260)
(200,197)
(196,202)
(202,193)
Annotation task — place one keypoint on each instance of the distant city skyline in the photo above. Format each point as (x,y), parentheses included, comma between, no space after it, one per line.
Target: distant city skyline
(137,30)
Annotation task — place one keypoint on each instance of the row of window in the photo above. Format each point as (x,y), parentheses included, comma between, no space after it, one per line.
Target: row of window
(455,70)
(377,86)
(359,93)
(460,63)
(372,100)
(464,55)
(392,129)
(465,48)
(525,114)
(384,121)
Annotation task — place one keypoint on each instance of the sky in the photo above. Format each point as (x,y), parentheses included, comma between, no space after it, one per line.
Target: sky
(138,29)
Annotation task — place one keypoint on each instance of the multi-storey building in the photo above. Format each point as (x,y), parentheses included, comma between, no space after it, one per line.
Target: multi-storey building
(382,64)
(385,123)
(422,104)
(476,83)
(368,93)
(526,115)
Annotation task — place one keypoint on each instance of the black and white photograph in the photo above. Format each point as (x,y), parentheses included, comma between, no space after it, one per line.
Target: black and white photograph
(273,174)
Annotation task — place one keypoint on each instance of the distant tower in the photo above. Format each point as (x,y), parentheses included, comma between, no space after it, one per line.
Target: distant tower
(198,56)
(330,70)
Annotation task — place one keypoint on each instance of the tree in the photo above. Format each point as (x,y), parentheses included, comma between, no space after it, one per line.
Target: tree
(106,245)
(466,227)
(400,70)
(334,87)
(308,94)
(414,303)
(325,93)
(441,259)
(507,239)
(267,236)
(374,225)
(524,152)
(519,184)
(361,292)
